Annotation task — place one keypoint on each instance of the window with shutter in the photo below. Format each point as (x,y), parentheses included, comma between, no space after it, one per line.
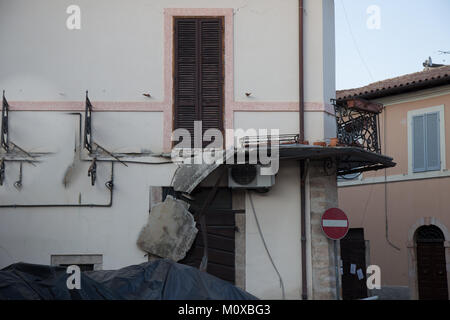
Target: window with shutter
(198,76)
(433,157)
(426,142)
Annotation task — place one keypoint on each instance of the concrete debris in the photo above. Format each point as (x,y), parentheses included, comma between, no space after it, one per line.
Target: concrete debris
(194,170)
(170,230)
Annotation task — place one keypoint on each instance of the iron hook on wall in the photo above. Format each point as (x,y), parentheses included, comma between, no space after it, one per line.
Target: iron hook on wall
(87,124)
(18,183)
(2,171)
(92,171)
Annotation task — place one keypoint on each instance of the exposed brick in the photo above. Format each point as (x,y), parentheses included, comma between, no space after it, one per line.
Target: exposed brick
(323,195)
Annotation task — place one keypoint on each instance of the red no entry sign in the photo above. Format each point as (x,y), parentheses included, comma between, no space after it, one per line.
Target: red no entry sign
(335,223)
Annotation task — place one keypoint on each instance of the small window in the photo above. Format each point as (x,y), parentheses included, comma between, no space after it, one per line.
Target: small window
(426,153)
(86,262)
(83,267)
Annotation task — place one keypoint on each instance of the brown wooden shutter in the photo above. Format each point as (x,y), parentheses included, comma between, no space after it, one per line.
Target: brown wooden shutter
(211,74)
(198,83)
(186,74)
(221,232)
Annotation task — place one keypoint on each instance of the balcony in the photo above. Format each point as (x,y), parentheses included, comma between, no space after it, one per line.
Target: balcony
(357,123)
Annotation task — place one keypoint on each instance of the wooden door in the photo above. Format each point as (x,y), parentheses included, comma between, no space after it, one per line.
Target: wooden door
(353,252)
(431,264)
(221,228)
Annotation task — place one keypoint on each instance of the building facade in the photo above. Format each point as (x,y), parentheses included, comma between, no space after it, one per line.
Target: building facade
(403,211)
(83,169)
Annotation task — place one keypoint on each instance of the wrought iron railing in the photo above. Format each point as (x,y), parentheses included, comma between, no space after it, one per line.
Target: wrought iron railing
(358,123)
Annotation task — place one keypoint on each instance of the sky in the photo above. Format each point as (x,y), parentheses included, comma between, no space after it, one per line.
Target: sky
(409,32)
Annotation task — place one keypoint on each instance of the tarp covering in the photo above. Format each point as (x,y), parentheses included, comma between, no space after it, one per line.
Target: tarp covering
(157,280)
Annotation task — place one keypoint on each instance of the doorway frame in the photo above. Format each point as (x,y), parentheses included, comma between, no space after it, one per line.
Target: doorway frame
(412,253)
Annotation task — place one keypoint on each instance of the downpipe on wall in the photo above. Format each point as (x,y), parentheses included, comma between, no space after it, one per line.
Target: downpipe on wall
(302,163)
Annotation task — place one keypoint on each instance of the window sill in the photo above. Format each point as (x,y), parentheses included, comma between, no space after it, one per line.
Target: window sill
(399,178)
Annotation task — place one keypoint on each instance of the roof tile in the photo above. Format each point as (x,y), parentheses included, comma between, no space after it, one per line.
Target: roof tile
(413,81)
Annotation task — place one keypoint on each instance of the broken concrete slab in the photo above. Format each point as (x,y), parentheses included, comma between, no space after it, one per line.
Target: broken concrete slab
(170,230)
(194,170)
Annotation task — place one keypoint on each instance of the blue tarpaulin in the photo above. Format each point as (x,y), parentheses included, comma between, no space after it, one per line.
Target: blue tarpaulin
(157,280)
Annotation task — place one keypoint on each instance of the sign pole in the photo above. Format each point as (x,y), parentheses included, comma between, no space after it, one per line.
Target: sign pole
(336,262)
(335,226)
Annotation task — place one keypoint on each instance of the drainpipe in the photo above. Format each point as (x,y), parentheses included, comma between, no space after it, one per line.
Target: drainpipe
(302,163)
(301,76)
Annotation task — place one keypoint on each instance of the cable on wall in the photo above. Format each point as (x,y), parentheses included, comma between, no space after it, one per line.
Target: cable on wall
(385,187)
(265,245)
(355,42)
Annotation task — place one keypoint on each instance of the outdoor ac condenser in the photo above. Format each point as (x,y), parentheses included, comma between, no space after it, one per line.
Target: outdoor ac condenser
(248,177)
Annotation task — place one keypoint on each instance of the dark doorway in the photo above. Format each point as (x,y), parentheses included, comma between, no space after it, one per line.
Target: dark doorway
(221,227)
(353,255)
(198,73)
(431,269)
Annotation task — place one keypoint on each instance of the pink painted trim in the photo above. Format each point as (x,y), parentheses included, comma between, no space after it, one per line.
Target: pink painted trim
(79,106)
(162,106)
(319,107)
(282,107)
(264,106)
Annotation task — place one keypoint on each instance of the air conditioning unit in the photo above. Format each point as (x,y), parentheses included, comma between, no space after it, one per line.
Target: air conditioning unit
(248,177)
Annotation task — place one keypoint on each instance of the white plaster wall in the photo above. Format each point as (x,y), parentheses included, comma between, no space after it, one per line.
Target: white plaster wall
(319,49)
(319,67)
(286,122)
(129,131)
(313,55)
(329,51)
(266,50)
(118,53)
(34,234)
(278,213)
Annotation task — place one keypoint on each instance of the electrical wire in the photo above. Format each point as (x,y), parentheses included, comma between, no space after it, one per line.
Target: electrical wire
(355,43)
(366,206)
(265,245)
(385,187)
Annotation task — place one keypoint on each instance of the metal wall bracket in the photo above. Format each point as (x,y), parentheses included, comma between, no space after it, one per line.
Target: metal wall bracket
(4,124)
(88,140)
(10,147)
(92,172)
(2,171)
(88,124)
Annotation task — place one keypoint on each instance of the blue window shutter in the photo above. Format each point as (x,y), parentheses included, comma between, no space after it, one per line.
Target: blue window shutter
(418,143)
(432,142)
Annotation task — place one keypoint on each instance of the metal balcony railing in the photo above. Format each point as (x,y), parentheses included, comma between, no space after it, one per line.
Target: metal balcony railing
(357,123)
